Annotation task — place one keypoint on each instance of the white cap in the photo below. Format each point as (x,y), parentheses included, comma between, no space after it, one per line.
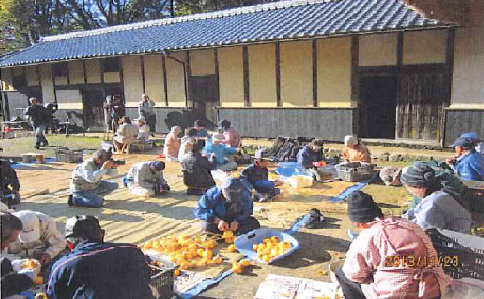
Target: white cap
(217,137)
(31,226)
(350,140)
(144,95)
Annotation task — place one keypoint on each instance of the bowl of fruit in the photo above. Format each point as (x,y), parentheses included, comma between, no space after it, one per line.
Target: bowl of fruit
(266,245)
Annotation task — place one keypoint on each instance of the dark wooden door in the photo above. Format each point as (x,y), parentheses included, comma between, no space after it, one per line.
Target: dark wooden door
(93,109)
(420,103)
(205,95)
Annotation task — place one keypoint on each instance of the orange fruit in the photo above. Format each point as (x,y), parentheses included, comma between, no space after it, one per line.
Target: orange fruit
(208,254)
(255,247)
(177,272)
(275,239)
(218,260)
(148,245)
(38,280)
(245,263)
(228,234)
(266,258)
(238,270)
(267,240)
(274,252)
(232,248)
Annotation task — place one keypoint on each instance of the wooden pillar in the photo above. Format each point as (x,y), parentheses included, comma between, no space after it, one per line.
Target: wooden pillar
(217,73)
(165,80)
(278,74)
(448,79)
(399,123)
(142,59)
(245,64)
(355,82)
(315,73)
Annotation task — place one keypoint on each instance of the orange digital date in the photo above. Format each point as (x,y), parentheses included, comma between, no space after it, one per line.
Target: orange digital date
(444,261)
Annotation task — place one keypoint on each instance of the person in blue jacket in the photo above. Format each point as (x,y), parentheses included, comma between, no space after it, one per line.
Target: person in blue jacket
(257,174)
(229,207)
(95,269)
(309,154)
(470,164)
(221,152)
(201,131)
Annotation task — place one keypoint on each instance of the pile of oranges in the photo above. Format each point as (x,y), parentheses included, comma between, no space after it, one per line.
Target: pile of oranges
(271,248)
(186,252)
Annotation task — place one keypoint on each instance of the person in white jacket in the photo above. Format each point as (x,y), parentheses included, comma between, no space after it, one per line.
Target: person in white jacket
(146,179)
(39,237)
(145,109)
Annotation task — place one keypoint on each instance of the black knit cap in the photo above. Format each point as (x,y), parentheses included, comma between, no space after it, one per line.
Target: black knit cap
(419,175)
(362,208)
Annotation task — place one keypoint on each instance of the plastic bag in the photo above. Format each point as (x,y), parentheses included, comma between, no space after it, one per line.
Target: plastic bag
(466,288)
(300,181)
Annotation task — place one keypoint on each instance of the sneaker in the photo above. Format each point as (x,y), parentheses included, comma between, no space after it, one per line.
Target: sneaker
(69,200)
(315,219)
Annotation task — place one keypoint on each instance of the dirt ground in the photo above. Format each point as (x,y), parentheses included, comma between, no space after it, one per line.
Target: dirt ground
(127,218)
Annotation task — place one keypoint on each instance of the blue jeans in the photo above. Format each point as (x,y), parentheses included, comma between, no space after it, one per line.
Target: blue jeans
(264,187)
(92,198)
(39,135)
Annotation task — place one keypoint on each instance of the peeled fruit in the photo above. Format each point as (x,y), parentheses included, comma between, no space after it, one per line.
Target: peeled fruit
(274,252)
(267,240)
(255,247)
(200,252)
(208,254)
(177,272)
(266,258)
(228,234)
(232,248)
(238,270)
(38,280)
(270,248)
(148,245)
(275,239)
(30,264)
(218,260)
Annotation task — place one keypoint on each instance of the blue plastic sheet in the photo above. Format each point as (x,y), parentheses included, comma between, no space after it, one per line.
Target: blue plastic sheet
(20,164)
(353,188)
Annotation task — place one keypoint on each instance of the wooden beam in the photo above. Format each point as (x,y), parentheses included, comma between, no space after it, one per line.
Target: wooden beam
(278,74)
(165,81)
(315,73)
(245,68)
(188,76)
(142,59)
(398,76)
(84,71)
(121,78)
(217,73)
(355,80)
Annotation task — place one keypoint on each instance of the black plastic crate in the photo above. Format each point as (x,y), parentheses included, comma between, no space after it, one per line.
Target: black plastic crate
(162,282)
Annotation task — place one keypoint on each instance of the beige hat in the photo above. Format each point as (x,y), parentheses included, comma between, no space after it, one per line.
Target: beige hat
(176,129)
(31,226)
(217,137)
(350,140)
(390,176)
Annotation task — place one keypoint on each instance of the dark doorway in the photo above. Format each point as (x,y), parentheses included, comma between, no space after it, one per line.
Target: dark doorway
(204,94)
(93,109)
(378,98)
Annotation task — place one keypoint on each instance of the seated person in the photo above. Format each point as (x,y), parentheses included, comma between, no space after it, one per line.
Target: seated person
(172,144)
(127,133)
(437,209)
(39,238)
(229,207)
(11,282)
(478,142)
(469,164)
(221,152)
(87,185)
(311,153)
(257,174)
(187,142)
(382,261)
(146,179)
(95,269)
(354,151)
(10,185)
(230,135)
(143,129)
(201,131)
(390,176)
(197,169)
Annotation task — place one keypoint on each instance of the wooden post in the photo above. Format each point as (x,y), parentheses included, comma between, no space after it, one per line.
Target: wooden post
(142,59)
(398,75)
(315,73)
(165,81)
(355,81)
(245,63)
(278,74)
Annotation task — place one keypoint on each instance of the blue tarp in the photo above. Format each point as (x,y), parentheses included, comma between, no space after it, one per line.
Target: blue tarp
(356,187)
(20,164)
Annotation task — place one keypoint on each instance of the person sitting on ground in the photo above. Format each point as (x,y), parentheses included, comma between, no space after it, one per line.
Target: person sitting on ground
(38,239)
(143,130)
(228,207)
(87,185)
(201,131)
(10,184)
(469,164)
(257,174)
(221,152)
(146,179)
(39,116)
(127,133)
(11,282)
(311,153)
(383,261)
(390,176)
(479,145)
(437,209)
(171,147)
(230,135)
(96,269)
(197,169)
(354,151)
(187,142)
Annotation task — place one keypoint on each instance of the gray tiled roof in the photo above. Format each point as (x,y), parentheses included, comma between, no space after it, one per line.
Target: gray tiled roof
(276,21)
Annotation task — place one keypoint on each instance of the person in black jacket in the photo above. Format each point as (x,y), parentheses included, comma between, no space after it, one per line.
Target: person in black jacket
(39,116)
(257,174)
(9,190)
(96,269)
(197,169)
